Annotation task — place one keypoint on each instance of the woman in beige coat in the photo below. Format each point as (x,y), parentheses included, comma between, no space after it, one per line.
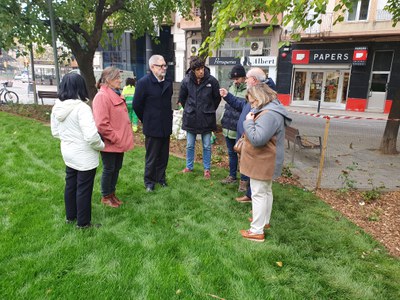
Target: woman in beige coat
(262,153)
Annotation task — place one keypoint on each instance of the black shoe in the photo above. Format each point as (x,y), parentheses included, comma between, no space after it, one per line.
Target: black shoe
(149,189)
(70,221)
(163,184)
(90,225)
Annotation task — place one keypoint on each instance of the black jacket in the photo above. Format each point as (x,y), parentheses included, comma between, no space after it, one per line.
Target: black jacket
(270,83)
(152,105)
(200,102)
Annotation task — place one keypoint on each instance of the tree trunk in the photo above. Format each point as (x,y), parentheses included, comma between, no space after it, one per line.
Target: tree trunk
(389,139)
(206,8)
(85,63)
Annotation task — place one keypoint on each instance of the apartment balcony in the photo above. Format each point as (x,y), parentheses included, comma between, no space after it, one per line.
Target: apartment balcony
(383,15)
(195,24)
(323,27)
(187,24)
(377,26)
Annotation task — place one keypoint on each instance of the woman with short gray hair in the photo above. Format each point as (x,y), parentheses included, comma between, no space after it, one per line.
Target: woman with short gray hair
(112,121)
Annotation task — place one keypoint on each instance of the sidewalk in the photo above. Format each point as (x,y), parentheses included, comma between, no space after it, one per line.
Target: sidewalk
(337,112)
(26,96)
(352,154)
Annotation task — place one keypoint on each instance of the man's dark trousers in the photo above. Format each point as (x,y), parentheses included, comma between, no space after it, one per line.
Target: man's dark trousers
(157,154)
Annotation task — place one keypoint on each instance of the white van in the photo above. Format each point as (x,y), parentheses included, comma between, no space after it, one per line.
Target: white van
(97,73)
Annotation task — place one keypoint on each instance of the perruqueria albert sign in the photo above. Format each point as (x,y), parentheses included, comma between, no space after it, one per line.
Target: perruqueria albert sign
(259,61)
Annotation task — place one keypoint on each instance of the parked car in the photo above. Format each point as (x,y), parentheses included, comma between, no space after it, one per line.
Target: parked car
(26,78)
(18,77)
(23,76)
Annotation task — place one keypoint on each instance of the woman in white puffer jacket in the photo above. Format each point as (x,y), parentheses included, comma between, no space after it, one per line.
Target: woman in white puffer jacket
(72,122)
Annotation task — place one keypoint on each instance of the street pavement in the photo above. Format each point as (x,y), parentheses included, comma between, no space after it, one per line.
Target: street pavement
(352,156)
(26,96)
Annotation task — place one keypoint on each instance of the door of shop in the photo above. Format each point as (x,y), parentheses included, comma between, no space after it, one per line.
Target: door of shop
(328,86)
(380,77)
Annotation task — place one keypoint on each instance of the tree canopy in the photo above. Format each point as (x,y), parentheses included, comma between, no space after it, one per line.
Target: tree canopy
(293,13)
(83,24)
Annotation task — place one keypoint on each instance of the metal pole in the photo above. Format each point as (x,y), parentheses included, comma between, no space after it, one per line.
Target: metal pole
(54,41)
(322,159)
(149,51)
(35,97)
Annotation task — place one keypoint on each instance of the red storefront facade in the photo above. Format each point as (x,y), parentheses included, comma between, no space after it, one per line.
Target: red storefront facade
(345,76)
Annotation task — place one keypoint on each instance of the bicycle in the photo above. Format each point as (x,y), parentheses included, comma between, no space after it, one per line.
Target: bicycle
(9,96)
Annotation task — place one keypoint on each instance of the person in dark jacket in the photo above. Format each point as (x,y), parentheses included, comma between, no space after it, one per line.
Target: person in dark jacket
(199,96)
(229,124)
(270,82)
(153,107)
(253,77)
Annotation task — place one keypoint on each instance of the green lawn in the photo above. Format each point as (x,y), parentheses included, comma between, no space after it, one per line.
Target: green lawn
(176,243)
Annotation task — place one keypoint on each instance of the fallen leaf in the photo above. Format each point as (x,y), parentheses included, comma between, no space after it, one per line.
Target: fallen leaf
(215,296)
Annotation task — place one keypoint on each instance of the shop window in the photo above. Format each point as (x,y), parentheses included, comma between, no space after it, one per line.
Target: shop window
(345,87)
(331,86)
(299,85)
(359,10)
(316,86)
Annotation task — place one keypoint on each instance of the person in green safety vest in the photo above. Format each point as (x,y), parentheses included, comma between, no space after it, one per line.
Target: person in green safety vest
(127,93)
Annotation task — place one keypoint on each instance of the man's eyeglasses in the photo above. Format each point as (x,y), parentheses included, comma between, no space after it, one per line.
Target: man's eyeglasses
(161,66)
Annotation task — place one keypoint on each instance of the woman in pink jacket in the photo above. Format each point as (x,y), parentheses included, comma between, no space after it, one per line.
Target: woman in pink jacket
(112,121)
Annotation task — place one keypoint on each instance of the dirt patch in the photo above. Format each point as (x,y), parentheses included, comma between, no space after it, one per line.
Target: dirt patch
(34,111)
(380,217)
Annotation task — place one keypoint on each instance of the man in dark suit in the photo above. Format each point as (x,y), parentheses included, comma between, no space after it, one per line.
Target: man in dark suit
(152,105)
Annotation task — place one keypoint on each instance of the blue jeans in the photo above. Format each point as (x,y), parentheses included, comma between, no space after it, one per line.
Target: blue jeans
(190,146)
(233,157)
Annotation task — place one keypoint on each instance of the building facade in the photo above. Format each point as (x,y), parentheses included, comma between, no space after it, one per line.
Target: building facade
(256,49)
(133,54)
(353,65)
